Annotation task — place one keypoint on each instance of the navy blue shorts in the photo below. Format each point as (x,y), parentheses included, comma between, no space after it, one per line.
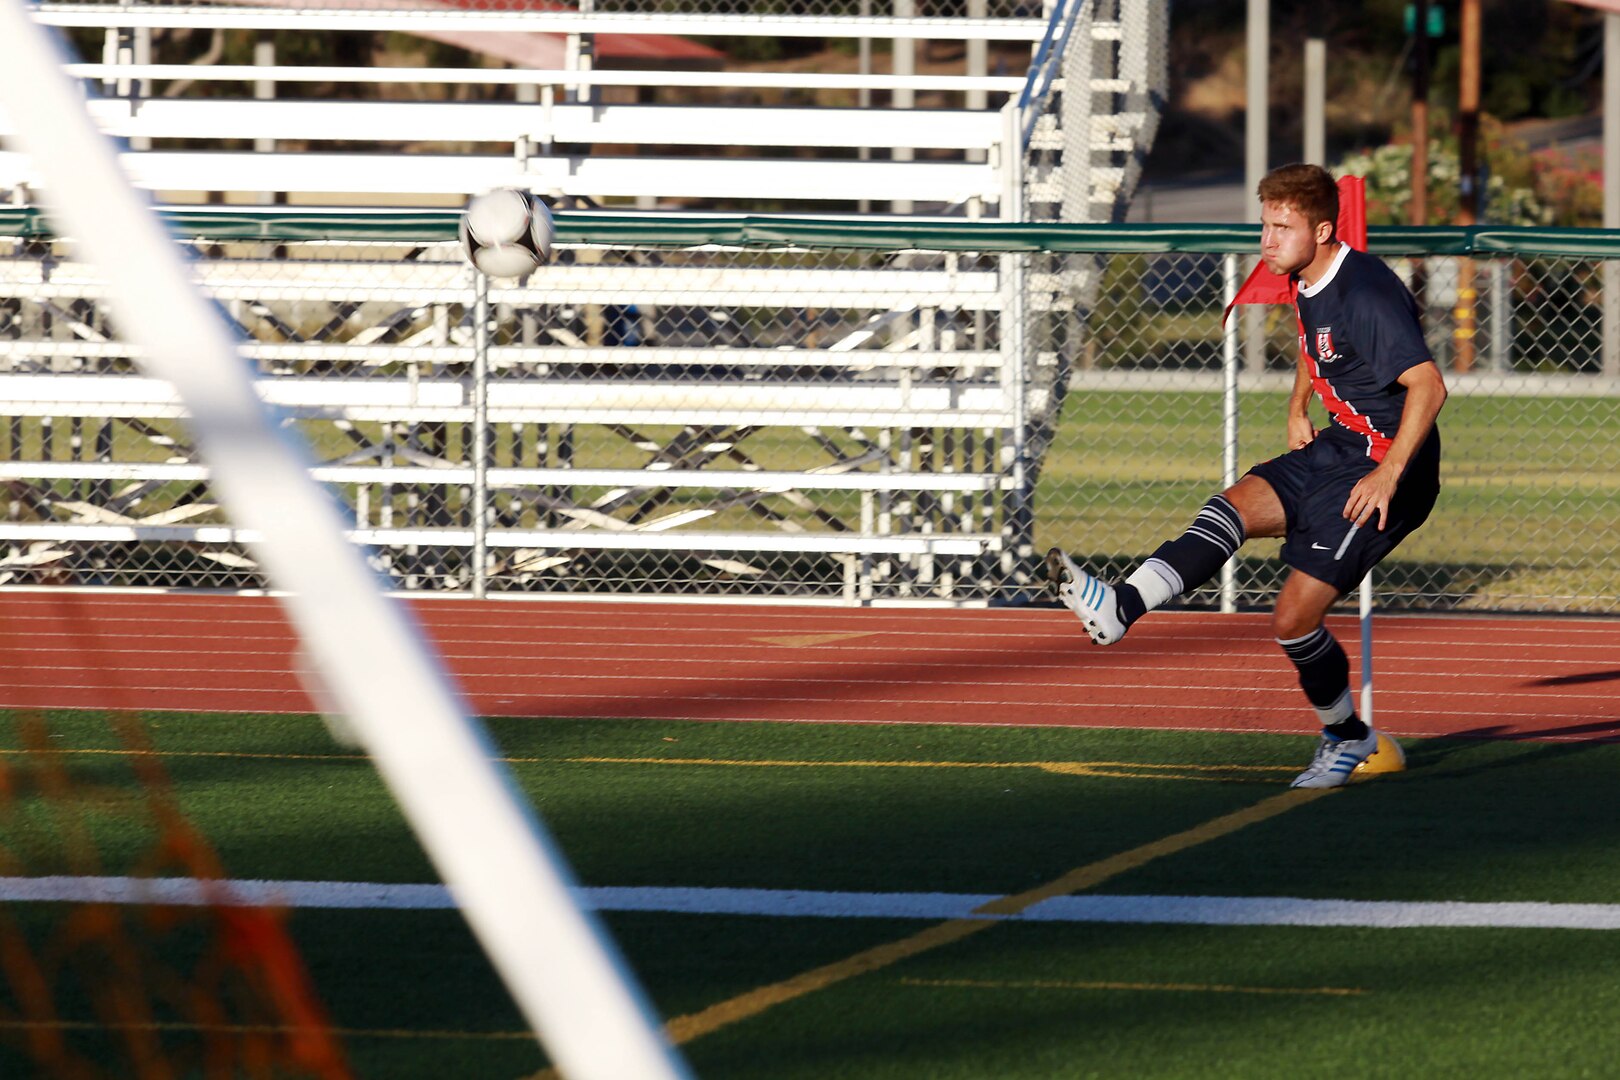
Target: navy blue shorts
(1313,484)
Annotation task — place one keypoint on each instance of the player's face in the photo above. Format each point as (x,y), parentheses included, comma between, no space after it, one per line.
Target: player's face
(1287,241)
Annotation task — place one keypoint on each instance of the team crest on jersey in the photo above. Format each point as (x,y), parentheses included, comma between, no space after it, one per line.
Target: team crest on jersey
(1324,344)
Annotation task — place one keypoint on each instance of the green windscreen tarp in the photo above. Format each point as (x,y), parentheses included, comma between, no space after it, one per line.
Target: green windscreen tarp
(874,233)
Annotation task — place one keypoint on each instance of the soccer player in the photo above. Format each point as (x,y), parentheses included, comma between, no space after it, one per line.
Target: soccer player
(1342,498)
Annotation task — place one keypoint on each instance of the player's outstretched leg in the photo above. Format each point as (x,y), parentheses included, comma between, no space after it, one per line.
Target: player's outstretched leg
(1092,599)
(1176,567)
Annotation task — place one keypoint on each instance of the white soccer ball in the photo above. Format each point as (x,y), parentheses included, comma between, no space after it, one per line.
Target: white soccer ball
(506,233)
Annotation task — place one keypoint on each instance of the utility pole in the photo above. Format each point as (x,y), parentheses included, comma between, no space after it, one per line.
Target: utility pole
(1257,65)
(1419,210)
(1315,97)
(1468,33)
(1256,142)
(1419,214)
(1611,191)
(1462,356)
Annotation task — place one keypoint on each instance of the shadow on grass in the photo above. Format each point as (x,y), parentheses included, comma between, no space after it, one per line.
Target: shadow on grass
(1536,748)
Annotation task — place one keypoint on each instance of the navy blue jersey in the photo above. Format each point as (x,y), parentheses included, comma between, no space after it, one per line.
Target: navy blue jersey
(1360,330)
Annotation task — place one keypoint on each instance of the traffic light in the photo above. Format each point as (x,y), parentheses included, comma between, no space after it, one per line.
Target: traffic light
(1437,19)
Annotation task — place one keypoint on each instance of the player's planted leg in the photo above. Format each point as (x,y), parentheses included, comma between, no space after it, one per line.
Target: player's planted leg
(1324,675)
(1335,759)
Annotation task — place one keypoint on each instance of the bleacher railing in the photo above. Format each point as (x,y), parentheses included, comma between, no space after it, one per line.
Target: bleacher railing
(841,410)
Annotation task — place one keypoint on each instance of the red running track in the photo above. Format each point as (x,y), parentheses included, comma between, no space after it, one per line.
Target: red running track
(1435,675)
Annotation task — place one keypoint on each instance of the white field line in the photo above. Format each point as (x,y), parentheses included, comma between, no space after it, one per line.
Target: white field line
(804,903)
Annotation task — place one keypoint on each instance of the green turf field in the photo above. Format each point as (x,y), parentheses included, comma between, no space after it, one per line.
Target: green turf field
(905,809)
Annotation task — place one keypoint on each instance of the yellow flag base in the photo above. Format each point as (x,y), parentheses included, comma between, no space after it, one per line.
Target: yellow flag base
(1388,758)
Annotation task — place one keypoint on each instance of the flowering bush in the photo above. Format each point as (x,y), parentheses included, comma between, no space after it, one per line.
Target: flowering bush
(1571,184)
(1549,187)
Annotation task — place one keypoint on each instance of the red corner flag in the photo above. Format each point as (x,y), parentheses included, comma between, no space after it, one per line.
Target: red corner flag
(1264,287)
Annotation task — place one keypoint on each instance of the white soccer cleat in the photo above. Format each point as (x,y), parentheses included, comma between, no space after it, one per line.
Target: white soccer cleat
(1335,760)
(1088,597)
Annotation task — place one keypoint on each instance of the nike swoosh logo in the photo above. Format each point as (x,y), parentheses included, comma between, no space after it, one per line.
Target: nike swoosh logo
(1319,547)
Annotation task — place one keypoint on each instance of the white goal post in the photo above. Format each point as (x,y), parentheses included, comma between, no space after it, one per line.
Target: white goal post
(491,850)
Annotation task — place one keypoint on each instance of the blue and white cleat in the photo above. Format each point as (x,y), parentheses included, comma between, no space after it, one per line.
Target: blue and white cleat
(1088,597)
(1335,760)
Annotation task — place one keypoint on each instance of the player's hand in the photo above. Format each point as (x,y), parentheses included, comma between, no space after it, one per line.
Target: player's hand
(1301,432)
(1371,495)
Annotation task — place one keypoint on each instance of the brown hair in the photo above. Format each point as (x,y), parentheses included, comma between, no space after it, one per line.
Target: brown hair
(1310,189)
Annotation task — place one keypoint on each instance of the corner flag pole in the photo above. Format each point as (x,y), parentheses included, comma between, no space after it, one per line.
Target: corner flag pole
(1353,230)
(1366,650)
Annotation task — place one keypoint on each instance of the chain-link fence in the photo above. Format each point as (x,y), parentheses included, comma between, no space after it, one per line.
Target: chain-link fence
(778,408)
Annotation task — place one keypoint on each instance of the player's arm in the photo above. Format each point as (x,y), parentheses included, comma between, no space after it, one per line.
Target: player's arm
(1425,394)
(1300,429)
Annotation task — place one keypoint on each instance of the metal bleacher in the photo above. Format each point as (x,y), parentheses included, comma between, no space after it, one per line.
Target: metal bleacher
(930,352)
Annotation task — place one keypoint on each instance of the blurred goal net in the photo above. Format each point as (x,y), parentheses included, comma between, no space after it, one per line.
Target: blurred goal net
(111,988)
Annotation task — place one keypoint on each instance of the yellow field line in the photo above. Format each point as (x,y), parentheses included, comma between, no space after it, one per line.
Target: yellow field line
(1114,770)
(683,1029)
(1192,988)
(261,1029)
(247,754)
(911,764)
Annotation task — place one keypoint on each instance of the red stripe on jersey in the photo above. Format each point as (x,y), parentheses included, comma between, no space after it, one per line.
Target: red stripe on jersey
(1340,409)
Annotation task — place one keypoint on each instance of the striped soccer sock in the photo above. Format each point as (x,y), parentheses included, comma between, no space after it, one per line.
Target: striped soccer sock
(1183,564)
(1324,675)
